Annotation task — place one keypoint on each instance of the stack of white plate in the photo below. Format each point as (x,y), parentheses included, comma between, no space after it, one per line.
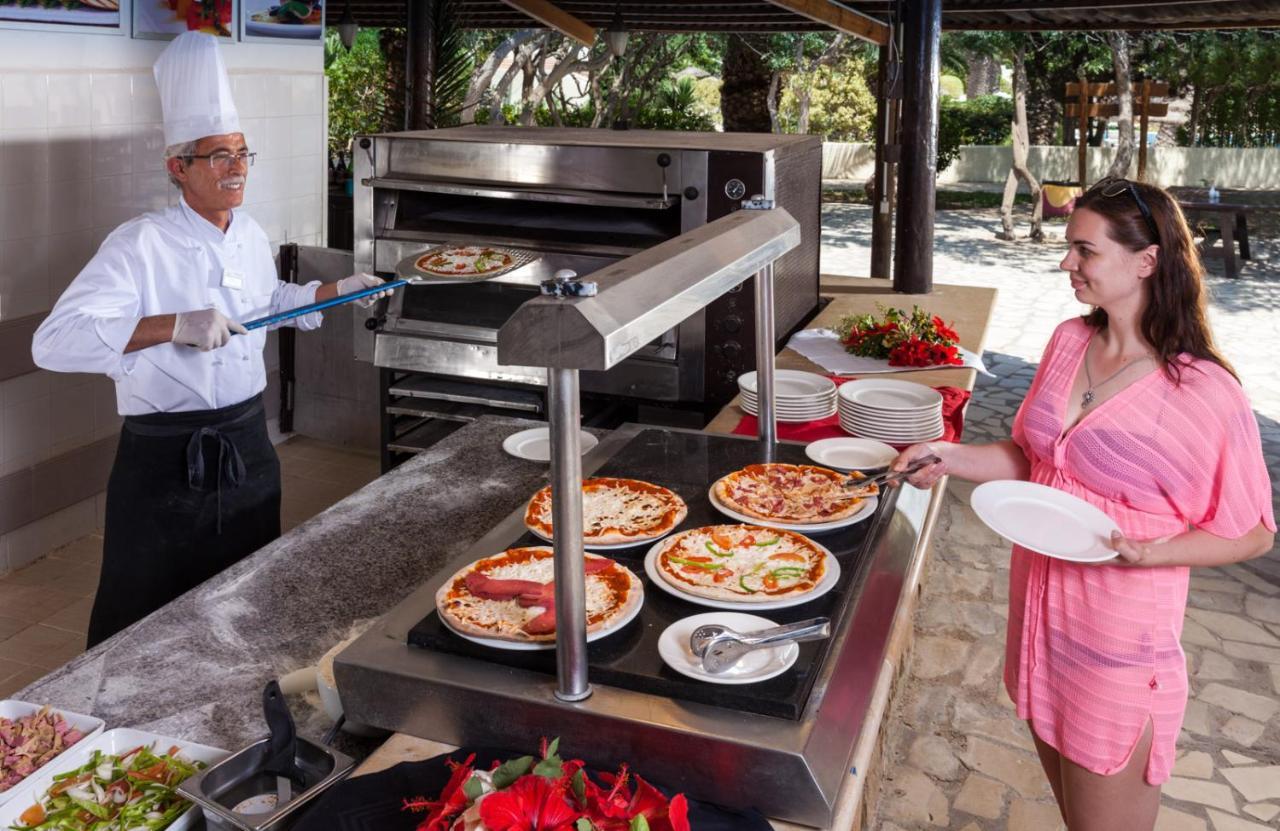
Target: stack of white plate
(897,412)
(798,396)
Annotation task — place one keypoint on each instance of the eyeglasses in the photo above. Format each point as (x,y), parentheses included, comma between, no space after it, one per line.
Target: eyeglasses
(1114,186)
(223,160)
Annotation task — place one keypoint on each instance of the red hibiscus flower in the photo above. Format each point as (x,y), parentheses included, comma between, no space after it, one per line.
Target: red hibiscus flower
(452,801)
(532,803)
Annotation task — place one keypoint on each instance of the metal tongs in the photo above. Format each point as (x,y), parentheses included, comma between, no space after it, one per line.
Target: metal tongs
(720,647)
(888,475)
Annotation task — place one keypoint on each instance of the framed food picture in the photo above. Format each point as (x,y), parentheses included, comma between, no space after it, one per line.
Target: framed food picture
(282,21)
(106,17)
(166,19)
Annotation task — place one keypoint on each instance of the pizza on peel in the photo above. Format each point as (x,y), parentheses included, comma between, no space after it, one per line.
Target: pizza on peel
(463,261)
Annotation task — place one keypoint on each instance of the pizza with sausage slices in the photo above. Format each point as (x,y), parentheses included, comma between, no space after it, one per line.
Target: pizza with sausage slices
(744,563)
(511,596)
(614,511)
(791,493)
(464,261)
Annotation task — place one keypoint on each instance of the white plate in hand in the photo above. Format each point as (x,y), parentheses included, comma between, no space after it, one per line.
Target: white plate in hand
(535,444)
(1045,520)
(758,665)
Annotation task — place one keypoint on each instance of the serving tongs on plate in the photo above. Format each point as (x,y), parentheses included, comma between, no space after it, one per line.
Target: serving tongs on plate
(720,647)
(887,476)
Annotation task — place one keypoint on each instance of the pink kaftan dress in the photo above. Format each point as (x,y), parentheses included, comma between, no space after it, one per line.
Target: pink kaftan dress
(1092,651)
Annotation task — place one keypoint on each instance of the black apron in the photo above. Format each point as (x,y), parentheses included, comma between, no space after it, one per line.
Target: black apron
(190,493)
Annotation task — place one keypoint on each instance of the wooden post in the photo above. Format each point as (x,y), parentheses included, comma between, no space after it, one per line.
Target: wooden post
(918,172)
(883,175)
(1082,164)
(1145,104)
(421,59)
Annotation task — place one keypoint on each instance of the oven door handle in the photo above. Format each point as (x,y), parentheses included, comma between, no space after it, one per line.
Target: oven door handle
(258,323)
(595,199)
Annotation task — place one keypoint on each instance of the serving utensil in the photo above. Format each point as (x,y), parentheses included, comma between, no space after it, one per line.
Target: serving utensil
(720,647)
(889,475)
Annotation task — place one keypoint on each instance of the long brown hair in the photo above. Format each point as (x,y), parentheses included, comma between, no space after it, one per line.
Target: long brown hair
(1175,320)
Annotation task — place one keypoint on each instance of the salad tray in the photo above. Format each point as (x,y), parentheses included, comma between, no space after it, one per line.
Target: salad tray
(87,725)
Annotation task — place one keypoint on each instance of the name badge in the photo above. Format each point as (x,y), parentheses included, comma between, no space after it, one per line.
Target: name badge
(232,279)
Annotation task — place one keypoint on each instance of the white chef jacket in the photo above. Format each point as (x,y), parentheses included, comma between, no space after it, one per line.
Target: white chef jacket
(160,263)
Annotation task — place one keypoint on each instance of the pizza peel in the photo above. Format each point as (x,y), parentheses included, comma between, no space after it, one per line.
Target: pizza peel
(407,269)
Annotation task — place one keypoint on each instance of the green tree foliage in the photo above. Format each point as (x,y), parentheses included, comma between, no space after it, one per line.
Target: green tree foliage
(842,107)
(984,120)
(357,94)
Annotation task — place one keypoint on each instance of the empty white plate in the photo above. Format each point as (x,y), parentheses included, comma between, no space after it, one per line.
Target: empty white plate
(759,665)
(888,394)
(851,453)
(1046,520)
(535,444)
(790,383)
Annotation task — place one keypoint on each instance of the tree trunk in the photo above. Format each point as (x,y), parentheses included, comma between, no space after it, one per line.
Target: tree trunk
(1124,91)
(392,43)
(803,98)
(1193,124)
(1021,146)
(483,77)
(566,65)
(983,77)
(744,95)
(775,87)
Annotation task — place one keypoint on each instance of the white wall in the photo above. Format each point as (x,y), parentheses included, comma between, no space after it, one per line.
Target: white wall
(80,153)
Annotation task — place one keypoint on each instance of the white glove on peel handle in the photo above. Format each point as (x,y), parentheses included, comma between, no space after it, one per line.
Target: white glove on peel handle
(205,329)
(359,282)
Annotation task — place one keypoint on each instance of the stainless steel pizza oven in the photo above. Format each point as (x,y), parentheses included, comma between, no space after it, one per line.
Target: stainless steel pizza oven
(579,199)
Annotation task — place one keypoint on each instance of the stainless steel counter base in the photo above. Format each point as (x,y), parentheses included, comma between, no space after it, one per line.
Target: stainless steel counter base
(791,770)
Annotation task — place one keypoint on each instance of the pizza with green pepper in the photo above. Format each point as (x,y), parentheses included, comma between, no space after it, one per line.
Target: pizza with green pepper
(744,563)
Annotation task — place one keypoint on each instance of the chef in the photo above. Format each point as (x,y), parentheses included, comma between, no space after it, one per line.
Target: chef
(196,482)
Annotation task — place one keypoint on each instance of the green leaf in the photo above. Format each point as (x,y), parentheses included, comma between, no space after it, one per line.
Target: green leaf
(510,771)
(473,788)
(553,748)
(583,823)
(639,823)
(549,768)
(579,785)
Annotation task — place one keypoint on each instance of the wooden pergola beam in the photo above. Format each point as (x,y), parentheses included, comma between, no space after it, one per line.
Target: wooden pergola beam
(554,17)
(840,18)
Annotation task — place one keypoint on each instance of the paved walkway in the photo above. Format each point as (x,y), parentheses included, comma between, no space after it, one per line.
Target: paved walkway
(958,756)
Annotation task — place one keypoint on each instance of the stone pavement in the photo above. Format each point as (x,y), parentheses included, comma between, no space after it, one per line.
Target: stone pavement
(957,755)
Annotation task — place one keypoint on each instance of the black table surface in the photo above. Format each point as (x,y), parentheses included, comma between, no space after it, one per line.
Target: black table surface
(689,463)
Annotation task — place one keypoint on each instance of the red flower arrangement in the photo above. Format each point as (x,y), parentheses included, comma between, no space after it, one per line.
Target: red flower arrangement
(916,339)
(547,795)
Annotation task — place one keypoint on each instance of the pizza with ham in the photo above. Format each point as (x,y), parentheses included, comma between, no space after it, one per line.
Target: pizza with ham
(801,494)
(745,563)
(463,261)
(511,596)
(614,511)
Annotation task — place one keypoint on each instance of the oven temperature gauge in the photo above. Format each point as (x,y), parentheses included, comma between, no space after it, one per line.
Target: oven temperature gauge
(735,189)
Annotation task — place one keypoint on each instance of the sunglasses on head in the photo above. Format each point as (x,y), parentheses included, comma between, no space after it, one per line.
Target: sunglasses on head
(1114,186)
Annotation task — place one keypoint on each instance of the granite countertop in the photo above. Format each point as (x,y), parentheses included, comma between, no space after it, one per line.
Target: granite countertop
(195,669)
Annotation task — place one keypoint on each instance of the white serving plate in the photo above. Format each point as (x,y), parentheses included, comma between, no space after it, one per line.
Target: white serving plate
(891,438)
(758,665)
(535,444)
(890,394)
(525,646)
(13,710)
(890,416)
(790,383)
(1046,520)
(826,584)
(591,546)
(851,453)
(119,740)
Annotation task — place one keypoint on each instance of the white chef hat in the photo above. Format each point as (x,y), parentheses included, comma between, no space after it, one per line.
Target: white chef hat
(195,93)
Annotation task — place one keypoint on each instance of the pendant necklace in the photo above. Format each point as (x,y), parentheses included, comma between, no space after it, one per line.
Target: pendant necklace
(1087,398)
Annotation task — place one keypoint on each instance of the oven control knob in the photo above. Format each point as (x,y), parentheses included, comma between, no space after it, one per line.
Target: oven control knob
(691,193)
(735,189)
(731,323)
(372,324)
(732,350)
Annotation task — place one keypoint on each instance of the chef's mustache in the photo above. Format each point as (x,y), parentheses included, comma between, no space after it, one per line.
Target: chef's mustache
(231,181)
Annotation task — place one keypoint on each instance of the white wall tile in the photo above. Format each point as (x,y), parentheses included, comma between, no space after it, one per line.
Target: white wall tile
(27,544)
(71,205)
(106,419)
(112,200)
(304,217)
(305,174)
(24,271)
(146,147)
(267,180)
(307,95)
(273,216)
(22,101)
(254,130)
(24,303)
(70,100)
(306,135)
(70,154)
(112,101)
(70,418)
(112,150)
(24,156)
(250,92)
(151,192)
(26,433)
(24,210)
(146,99)
(26,387)
(278,138)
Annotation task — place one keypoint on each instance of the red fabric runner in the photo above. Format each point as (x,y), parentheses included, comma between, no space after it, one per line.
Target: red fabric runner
(953,401)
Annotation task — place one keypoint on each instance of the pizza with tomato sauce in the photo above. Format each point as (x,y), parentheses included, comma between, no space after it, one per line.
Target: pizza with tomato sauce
(614,511)
(745,563)
(511,596)
(464,261)
(799,494)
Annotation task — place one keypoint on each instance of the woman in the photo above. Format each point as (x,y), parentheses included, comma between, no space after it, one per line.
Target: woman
(1133,410)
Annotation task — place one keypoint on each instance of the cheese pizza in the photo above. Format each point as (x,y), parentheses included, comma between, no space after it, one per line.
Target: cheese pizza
(614,511)
(791,493)
(511,596)
(464,261)
(745,563)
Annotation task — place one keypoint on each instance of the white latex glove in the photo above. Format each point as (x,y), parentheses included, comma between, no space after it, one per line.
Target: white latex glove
(204,329)
(358,282)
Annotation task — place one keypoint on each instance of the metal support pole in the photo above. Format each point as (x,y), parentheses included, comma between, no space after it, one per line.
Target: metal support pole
(885,169)
(764,361)
(917,175)
(566,519)
(421,57)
